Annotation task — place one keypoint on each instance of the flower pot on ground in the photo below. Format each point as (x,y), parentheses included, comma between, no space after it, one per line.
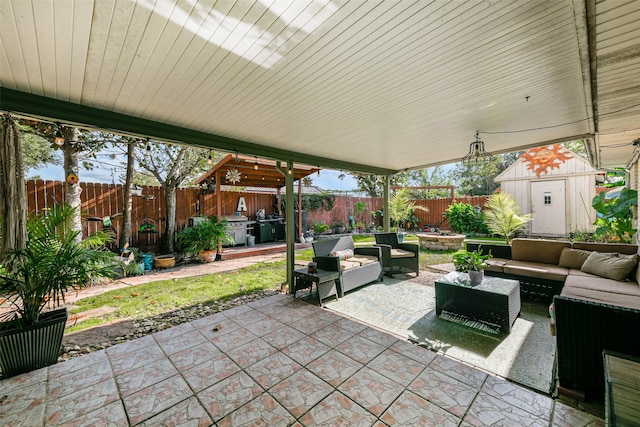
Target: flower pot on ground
(164,261)
(205,236)
(53,262)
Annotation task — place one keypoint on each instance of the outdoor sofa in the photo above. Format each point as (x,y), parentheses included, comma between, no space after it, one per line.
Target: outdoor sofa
(398,257)
(356,266)
(596,305)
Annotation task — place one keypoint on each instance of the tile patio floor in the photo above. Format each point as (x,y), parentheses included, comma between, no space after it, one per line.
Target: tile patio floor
(277,361)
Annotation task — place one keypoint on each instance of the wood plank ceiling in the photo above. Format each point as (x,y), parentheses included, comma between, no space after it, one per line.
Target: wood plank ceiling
(391,85)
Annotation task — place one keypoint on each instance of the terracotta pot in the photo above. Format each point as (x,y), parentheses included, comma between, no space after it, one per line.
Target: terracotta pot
(164,261)
(207,256)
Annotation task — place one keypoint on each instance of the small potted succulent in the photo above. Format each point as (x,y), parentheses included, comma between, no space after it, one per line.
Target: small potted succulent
(472,263)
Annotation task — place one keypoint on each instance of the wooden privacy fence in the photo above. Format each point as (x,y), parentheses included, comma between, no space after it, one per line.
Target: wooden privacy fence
(106,200)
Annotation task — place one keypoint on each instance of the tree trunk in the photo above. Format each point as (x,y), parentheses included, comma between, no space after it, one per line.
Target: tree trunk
(170,202)
(72,190)
(125,233)
(13,198)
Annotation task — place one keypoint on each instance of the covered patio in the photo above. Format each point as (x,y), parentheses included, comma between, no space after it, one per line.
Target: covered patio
(369,87)
(277,361)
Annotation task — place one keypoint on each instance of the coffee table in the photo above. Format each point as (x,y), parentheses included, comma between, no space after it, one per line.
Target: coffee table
(495,301)
(325,282)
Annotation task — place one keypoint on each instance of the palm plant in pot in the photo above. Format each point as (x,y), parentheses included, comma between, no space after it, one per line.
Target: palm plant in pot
(53,262)
(401,208)
(472,263)
(203,239)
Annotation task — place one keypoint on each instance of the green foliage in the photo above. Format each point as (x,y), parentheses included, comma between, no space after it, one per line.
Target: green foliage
(465,219)
(401,207)
(466,261)
(313,202)
(373,185)
(203,237)
(52,262)
(615,216)
(502,215)
(319,227)
(478,179)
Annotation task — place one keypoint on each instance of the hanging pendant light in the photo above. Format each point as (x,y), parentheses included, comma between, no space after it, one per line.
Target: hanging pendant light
(59,139)
(477,153)
(210,159)
(255,165)
(148,149)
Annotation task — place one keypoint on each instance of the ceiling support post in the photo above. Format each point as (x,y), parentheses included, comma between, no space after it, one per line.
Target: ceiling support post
(290,229)
(386,221)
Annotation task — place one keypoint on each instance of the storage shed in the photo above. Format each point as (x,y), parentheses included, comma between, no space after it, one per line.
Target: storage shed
(556,186)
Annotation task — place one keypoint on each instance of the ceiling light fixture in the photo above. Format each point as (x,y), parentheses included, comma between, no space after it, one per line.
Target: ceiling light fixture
(148,149)
(477,153)
(210,159)
(255,165)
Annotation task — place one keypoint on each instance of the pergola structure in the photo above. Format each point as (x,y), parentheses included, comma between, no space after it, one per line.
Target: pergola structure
(374,87)
(254,172)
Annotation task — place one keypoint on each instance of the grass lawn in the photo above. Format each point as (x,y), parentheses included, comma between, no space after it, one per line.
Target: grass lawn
(155,298)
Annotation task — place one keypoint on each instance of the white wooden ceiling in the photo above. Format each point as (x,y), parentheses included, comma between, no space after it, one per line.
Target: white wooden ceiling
(391,84)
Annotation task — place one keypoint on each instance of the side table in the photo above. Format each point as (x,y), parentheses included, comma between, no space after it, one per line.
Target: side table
(325,282)
(622,389)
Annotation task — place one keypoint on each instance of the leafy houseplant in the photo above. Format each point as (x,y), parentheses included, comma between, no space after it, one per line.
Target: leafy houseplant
(203,239)
(472,263)
(502,215)
(401,208)
(615,217)
(52,262)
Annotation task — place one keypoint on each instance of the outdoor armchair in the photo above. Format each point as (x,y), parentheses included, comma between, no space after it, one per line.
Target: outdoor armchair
(398,257)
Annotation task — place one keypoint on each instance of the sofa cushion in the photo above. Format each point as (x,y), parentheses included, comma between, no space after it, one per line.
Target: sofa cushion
(573,258)
(401,253)
(364,259)
(599,289)
(538,250)
(496,264)
(621,248)
(537,270)
(610,266)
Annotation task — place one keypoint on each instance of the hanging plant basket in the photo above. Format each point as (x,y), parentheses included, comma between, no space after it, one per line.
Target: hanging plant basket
(34,346)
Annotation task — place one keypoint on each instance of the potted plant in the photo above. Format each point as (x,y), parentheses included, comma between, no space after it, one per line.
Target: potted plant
(472,263)
(401,208)
(203,239)
(53,261)
(338,227)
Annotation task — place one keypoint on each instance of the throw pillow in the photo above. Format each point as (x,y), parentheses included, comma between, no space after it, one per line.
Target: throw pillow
(342,255)
(573,258)
(609,266)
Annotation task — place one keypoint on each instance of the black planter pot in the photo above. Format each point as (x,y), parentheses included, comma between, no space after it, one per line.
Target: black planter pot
(34,346)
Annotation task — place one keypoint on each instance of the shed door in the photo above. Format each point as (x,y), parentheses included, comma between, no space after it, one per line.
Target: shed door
(548,206)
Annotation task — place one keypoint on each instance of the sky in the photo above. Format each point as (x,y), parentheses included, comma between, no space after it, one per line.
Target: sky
(109,172)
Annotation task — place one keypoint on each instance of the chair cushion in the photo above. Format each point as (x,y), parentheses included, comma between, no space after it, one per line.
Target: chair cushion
(610,266)
(401,253)
(364,259)
(573,258)
(346,265)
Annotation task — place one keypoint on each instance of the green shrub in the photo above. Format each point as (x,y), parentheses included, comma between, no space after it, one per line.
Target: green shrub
(465,219)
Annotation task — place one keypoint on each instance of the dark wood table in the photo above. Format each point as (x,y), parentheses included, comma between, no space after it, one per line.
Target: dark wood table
(495,301)
(325,282)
